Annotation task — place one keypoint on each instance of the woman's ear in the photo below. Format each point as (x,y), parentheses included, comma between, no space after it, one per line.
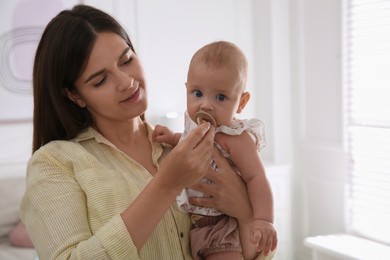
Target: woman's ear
(243,101)
(74,97)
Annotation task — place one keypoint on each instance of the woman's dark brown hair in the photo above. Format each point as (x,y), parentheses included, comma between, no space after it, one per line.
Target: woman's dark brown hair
(61,56)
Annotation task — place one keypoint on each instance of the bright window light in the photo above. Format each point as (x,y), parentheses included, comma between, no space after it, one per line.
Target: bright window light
(367,99)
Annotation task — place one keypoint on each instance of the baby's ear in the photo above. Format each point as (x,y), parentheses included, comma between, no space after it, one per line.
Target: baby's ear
(74,97)
(243,101)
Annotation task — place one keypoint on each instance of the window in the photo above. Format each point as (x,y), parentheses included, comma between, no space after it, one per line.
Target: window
(367,80)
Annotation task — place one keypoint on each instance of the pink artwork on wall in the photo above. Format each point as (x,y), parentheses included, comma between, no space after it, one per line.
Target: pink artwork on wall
(21,27)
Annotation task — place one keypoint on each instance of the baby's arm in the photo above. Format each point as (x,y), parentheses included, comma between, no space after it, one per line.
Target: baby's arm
(163,134)
(246,158)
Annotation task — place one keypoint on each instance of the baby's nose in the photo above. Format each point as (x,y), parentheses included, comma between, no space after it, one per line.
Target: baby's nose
(206,105)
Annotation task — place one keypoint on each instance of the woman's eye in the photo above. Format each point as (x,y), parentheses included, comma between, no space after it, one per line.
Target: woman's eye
(198,93)
(221,97)
(128,61)
(101,82)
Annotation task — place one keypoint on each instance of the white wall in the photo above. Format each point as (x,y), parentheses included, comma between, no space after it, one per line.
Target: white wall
(22,22)
(15,148)
(318,155)
(272,76)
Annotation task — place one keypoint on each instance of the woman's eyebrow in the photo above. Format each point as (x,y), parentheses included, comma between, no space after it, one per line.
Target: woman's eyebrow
(93,75)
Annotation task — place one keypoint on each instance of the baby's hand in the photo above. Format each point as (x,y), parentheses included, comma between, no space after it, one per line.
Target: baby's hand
(263,235)
(163,134)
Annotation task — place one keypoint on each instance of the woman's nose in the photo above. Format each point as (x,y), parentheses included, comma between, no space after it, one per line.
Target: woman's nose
(125,81)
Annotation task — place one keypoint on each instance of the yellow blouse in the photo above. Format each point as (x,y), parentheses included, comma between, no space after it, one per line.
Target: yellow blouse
(75,193)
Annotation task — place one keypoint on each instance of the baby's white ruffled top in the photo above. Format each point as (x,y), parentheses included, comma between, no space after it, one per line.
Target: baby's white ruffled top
(254,127)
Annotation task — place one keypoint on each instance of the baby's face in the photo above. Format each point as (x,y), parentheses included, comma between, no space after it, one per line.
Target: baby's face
(216,91)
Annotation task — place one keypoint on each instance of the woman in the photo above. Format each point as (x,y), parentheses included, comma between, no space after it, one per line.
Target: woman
(97,186)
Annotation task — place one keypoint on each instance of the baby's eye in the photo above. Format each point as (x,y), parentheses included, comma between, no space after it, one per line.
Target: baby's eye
(198,93)
(221,97)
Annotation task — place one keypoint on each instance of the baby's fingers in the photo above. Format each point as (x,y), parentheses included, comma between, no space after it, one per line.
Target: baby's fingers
(269,244)
(255,237)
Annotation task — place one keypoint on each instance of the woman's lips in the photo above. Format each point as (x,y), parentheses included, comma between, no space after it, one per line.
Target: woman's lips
(134,85)
(134,96)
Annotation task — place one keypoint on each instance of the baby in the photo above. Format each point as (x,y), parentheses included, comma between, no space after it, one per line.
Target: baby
(216,83)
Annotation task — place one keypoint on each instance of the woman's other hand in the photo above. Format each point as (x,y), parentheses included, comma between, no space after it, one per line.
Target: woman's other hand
(228,192)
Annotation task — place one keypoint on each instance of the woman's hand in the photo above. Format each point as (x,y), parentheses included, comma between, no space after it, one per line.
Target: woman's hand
(189,161)
(229,195)
(228,192)
(185,165)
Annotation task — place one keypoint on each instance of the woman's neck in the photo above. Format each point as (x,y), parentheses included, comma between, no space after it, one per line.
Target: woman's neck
(132,139)
(124,133)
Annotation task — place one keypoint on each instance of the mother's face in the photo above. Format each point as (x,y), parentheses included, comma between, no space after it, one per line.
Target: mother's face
(112,86)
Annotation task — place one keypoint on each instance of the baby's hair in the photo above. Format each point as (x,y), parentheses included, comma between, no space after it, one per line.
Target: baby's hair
(222,53)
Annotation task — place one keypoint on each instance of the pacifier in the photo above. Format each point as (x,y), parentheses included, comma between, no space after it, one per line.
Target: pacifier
(201,116)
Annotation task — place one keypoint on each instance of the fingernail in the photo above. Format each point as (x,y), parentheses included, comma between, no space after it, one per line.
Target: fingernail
(207,128)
